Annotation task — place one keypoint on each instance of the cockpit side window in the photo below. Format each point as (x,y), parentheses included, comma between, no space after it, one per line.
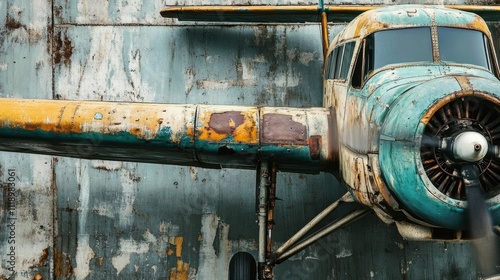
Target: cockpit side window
(332,62)
(339,62)
(346,59)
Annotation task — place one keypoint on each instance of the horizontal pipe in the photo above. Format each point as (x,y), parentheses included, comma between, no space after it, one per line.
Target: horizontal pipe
(187,134)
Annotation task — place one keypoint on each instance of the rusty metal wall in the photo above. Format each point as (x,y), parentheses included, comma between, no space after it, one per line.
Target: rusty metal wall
(67,218)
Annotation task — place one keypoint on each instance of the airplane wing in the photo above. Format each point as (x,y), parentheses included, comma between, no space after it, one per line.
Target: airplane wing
(296,139)
(294,14)
(281,14)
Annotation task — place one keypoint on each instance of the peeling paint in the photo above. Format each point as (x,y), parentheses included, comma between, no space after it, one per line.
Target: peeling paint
(83,256)
(127,247)
(129,194)
(282,129)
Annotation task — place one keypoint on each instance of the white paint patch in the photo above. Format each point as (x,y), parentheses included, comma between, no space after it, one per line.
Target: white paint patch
(104,209)
(248,74)
(306,57)
(207,268)
(285,80)
(129,194)
(189,80)
(89,12)
(120,262)
(344,253)
(83,251)
(107,165)
(372,274)
(194,173)
(83,256)
(224,250)
(168,229)
(149,237)
(82,178)
(129,10)
(127,248)
(4,66)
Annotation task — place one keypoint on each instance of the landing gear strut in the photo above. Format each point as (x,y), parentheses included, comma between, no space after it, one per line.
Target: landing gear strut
(267,258)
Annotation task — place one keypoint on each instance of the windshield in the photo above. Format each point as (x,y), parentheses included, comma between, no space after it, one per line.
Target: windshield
(464,46)
(399,46)
(408,45)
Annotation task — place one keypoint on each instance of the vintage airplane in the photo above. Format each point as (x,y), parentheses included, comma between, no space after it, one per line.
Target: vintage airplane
(410,125)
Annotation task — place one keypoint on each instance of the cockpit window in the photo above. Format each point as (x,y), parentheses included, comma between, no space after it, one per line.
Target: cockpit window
(464,46)
(398,46)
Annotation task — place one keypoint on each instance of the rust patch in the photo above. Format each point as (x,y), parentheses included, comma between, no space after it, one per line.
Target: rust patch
(63,49)
(38,276)
(225,123)
(12,24)
(43,257)
(178,246)
(240,125)
(315,146)
(180,272)
(62,264)
(282,129)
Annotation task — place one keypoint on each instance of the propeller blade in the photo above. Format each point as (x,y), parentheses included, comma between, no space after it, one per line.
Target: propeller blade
(485,243)
(494,151)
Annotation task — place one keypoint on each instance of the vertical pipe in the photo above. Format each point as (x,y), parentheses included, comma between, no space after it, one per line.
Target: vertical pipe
(324,32)
(262,215)
(270,212)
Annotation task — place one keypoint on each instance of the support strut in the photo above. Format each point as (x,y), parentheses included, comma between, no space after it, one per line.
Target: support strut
(262,212)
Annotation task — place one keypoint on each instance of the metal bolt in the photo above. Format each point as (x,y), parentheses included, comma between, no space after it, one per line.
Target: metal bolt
(477,147)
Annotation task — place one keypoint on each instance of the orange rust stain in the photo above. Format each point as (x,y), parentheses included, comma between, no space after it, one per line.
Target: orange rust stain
(479,24)
(170,252)
(38,276)
(100,261)
(180,272)
(178,245)
(200,238)
(62,264)
(43,257)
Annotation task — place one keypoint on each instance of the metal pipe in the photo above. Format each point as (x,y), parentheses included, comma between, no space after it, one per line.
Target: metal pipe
(324,33)
(270,213)
(345,198)
(262,214)
(340,223)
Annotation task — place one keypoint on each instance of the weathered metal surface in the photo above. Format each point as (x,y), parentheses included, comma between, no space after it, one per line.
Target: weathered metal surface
(98,219)
(193,135)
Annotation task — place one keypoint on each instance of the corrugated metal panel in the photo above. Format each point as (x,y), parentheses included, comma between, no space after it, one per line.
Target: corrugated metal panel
(100,220)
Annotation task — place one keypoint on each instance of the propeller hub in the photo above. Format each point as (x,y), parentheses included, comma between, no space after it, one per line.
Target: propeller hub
(470,146)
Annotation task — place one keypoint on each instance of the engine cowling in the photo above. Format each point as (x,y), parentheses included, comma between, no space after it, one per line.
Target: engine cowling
(422,174)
